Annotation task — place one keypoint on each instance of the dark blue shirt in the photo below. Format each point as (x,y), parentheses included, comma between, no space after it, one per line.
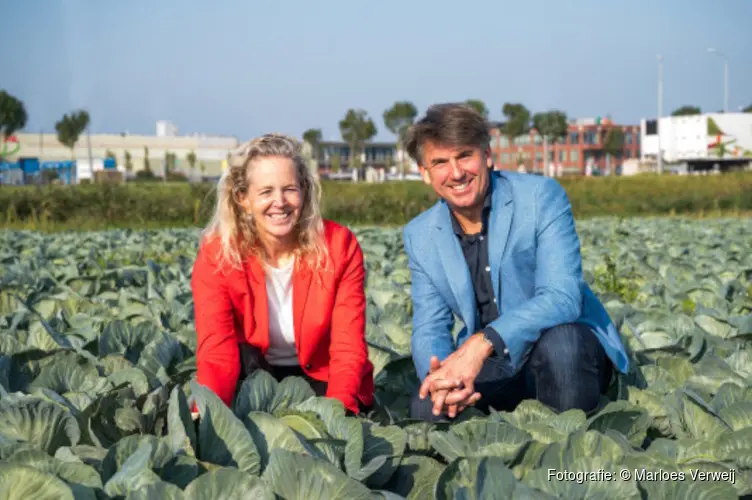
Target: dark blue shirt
(475,249)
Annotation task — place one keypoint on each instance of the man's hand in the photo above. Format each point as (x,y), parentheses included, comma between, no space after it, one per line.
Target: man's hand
(454,409)
(451,382)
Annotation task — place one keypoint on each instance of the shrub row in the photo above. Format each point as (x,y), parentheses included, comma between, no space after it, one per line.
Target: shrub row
(392,203)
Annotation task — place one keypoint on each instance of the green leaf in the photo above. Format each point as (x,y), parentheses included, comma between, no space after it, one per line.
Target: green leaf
(122,338)
(270,433)
(306,424)
(738,415)
(181,429)
(478,438)
(415,477)
(135,472)
(294,475)
(256,393)
(388,442)
(39,423)
(290,392)
(479,478)
(123,450)
(132,376)
(585,477)
(623,417)
(222,438)
(82,479)
(228,483)
(661,484)
(69,373)
(161,490)
(20,482)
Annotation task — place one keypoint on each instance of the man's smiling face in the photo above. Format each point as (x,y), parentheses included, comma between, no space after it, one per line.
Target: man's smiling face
(458,174)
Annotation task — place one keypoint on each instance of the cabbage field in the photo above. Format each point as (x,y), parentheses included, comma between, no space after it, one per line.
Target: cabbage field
(97,366)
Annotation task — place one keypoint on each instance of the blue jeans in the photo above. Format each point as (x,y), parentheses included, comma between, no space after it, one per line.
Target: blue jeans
(567,368)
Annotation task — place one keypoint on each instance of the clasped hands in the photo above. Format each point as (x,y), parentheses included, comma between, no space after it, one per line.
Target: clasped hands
(451,383)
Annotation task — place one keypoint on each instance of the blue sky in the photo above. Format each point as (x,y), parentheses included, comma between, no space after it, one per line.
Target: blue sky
(242,68)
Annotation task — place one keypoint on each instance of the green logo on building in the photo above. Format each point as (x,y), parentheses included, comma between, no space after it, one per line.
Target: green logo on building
(10,146)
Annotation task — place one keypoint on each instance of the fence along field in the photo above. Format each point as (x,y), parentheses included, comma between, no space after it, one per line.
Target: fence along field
(97,359)
(152,205)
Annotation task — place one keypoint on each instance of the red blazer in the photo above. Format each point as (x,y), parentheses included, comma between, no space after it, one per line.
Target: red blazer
(328,315)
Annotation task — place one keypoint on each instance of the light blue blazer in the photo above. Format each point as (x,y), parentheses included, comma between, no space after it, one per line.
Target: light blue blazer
(534,254)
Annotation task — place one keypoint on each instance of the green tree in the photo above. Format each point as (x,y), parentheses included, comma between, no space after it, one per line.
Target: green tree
(748,109)
(147,163)
(170,163)
(356,129)
(191,159)
(517,121)
(70,127)
(478,106)
(686,111)
(336,163)
(552,125)
(13,115)
(128,162)
(313,136)
(613,144)
(398,120)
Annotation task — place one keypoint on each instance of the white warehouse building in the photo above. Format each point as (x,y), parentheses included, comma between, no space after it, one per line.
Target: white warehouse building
(709,138)
(132,149)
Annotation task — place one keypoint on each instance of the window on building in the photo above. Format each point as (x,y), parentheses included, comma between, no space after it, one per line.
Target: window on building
(574,138)
(539,155)
(505,157)
(651,127)
(538,139)
(574,155)
(504,141)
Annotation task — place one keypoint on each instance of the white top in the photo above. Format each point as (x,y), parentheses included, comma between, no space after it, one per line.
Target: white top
(281,330)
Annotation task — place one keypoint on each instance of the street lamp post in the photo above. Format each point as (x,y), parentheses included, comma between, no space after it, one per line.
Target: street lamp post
(660,112)
(725,77)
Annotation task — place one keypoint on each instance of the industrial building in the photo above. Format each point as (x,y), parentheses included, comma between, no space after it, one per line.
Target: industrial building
(580,152)
(131,152)
(335,155)
(701,142)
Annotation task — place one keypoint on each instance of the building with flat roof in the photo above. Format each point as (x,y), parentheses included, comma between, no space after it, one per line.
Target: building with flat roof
(582,148)
(336,155)
(210,151)
(701,140)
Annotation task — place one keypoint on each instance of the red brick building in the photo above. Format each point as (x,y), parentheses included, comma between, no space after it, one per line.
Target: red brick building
(582,145)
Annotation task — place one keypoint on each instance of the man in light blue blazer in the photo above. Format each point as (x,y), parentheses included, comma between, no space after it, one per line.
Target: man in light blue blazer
(500,252)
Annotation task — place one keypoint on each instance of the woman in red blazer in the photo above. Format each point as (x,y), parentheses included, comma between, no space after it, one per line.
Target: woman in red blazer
(277,285)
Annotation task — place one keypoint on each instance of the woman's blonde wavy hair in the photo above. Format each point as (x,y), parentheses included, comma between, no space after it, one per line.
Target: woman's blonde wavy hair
(236,231)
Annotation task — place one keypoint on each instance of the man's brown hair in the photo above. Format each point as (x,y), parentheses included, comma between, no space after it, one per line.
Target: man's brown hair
(449,124)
